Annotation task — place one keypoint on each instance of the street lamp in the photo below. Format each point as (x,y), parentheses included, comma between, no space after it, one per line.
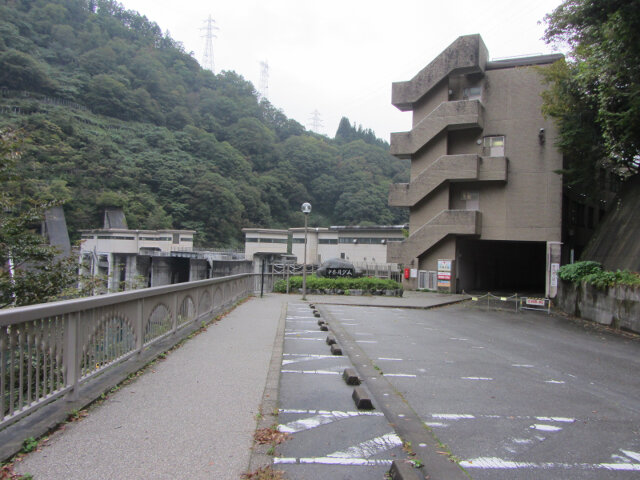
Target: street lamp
(306,209)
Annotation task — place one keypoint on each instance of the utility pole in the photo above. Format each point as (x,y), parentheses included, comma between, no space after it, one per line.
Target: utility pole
(264,80)
(209,29)
(315,121)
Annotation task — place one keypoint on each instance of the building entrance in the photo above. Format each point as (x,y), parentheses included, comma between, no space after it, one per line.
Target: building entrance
(501,266)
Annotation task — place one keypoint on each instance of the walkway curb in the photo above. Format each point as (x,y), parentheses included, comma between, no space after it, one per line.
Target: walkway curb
(259,458)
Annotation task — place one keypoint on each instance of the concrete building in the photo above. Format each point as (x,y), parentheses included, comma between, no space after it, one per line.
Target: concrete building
(140,258)
(359,245)
(485,203)
(129,259)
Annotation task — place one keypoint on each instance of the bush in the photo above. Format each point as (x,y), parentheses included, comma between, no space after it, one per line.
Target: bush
(576,272)
(592,273)
(366,284)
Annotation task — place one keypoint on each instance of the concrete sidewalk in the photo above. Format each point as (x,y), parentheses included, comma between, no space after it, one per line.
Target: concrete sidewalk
(192,415)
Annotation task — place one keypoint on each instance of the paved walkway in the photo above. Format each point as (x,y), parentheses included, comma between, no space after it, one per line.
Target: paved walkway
(193,414)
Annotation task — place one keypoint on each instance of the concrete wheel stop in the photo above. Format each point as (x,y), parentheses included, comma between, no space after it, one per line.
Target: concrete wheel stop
(350,376)
(331,340)
(335,349)
(362,398)
(404,471)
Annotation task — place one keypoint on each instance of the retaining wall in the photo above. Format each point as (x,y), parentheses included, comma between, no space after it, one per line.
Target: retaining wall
(617,306)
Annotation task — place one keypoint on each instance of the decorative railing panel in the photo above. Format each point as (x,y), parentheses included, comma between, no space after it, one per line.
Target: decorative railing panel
(51,349)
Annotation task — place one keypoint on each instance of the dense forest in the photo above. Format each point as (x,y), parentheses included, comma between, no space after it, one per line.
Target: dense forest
(112,112)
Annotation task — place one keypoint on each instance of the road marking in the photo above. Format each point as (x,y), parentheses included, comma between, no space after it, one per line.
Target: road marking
(556,419)
(390,359)
(452,416)
(545,428)
(405,375)
(330,412)
(306,338)
(522,366)
(370,447)
(436,424)
(467,416)
(501,464)
(366,341)
(477,378)
(319,419)
(309,355)
(362,462)
(557,382)
(312,372)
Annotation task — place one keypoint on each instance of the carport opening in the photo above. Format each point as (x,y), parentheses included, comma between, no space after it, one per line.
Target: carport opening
(496,266)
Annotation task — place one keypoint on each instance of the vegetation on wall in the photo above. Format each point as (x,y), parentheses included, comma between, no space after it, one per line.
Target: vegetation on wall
(591,272)
(116,113)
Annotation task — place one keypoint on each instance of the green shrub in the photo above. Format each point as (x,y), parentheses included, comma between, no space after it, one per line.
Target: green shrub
(592,273)
(367,284)
(576,272)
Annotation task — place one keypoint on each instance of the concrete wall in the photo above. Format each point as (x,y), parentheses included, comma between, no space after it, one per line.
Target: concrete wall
(225,268)
(617,306)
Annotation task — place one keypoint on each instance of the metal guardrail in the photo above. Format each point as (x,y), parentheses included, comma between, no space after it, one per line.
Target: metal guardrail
(49,350)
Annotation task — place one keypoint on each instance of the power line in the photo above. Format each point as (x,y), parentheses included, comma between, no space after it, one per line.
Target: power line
(207,58)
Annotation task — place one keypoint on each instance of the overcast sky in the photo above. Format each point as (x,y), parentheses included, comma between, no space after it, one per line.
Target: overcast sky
(339,57)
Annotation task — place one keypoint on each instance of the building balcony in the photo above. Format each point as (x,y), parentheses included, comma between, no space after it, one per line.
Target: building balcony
(467,54)
(448,222)
(450,168)
(448,115)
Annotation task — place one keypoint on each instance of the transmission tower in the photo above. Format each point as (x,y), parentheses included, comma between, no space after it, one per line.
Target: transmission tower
(315,121)
(209,29)
(264,80)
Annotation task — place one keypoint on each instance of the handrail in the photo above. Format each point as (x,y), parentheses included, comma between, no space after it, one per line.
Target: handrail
(51,350)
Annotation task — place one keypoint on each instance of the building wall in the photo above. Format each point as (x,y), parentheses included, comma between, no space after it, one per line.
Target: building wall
(516,192)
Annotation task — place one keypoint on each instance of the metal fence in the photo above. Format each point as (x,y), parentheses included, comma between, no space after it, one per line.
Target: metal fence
(50,350)
(514,302)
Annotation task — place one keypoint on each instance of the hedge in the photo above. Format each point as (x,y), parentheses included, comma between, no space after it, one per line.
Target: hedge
(367,284)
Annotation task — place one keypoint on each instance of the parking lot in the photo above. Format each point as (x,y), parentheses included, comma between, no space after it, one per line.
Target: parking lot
(507,395)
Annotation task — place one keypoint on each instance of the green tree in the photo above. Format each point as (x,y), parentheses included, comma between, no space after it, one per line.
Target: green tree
(602,77)
(29,272)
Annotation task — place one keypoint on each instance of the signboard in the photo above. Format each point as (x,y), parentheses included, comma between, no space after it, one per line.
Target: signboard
(414,273)
(444,265)
(444,276)
(539,302)
(340,272)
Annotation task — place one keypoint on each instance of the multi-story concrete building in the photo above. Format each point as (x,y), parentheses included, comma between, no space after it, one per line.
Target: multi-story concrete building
(483,195)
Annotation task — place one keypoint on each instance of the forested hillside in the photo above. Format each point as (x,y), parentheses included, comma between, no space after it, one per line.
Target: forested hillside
(115,113)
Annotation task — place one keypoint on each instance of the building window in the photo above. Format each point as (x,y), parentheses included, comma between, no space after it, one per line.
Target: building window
(328,241)
(471,200)
(114,237)
(472,93)
(297,240)
(493,146)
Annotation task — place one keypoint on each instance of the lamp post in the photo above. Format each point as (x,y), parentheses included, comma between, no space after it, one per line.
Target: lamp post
(306,209)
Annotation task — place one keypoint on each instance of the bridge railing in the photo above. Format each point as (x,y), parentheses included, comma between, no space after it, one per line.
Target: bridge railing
(51,350)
